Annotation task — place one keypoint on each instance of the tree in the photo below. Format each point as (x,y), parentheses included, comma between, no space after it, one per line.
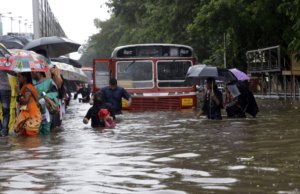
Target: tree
(202,24)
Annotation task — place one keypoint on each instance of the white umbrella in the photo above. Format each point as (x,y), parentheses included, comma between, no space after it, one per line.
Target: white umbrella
(69,72)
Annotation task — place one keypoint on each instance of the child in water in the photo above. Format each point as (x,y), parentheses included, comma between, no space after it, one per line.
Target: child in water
(96,111)
(104,116)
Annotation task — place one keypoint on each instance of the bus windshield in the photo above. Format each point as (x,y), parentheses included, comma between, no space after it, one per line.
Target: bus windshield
(135,74)
(171,73)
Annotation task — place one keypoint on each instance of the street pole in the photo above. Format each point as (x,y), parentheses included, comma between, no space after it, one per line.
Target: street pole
(25,25)
(11,24)
(20,19)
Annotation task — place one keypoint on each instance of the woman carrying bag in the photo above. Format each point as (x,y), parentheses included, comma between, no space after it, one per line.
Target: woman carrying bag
(48,94)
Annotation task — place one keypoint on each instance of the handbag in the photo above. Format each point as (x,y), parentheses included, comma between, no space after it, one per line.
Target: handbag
(52,107)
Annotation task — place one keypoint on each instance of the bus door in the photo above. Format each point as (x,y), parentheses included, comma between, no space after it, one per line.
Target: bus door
(101,73)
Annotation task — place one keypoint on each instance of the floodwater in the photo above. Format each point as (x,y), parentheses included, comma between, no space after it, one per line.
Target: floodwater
(159,153)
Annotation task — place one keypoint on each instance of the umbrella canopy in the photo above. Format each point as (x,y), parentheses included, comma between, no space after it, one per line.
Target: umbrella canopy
(26,61)
(3,51)
(11,42)
(196,73)
(67,60)
(69,72)
(4,56)
(23,39)
(241,76)
(54,46)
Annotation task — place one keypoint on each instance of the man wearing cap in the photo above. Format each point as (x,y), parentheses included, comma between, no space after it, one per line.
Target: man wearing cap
(112,95)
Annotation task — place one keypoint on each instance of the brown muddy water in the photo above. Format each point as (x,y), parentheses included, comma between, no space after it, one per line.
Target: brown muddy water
(159,152)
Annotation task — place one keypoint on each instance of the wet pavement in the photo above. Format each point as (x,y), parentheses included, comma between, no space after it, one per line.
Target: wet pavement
(159,152)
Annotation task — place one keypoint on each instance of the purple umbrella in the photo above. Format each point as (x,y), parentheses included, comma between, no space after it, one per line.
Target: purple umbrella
(241,76)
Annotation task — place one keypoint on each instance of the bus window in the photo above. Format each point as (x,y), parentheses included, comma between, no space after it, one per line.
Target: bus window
(102,75)
(172,73)
(135,74)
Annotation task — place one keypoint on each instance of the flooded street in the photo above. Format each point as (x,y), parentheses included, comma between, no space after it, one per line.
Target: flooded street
(159,152)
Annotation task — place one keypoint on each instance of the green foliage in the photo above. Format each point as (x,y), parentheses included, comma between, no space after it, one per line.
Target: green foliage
(202,24)
(291,9)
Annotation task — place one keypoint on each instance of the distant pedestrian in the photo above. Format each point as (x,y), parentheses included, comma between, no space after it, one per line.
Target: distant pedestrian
(85,92)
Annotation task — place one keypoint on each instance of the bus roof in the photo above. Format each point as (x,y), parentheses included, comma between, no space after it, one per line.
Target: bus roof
(152,50)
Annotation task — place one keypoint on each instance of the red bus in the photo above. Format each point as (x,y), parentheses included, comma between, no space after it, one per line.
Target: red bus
(153,74)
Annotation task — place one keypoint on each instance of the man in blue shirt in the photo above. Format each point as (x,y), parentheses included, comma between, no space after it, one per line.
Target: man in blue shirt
(112,95)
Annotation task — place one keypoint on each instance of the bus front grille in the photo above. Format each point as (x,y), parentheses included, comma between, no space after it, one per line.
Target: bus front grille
(156,103)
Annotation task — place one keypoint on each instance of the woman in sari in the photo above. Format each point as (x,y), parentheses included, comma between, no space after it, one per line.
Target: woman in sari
(45,87)
(29,118)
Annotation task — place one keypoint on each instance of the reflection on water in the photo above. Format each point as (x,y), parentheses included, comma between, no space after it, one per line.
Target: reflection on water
(159,152)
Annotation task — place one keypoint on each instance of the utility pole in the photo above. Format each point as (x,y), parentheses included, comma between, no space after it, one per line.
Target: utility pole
(20,19)
(11,23)
(25,25)
(225,65)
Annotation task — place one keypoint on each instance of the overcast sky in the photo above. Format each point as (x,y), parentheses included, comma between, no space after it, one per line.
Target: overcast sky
(75,16)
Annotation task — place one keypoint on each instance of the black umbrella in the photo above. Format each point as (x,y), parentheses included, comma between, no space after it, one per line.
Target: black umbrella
(54,46)
(196,73)
(3,51)
(11,42)
(67,60)
(23,39)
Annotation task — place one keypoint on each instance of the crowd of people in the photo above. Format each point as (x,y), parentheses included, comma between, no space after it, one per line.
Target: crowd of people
(33,106)
(36,104)
(41,98)
(238,100)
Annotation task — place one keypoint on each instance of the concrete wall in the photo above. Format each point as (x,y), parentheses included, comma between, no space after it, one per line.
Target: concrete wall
(44,22)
